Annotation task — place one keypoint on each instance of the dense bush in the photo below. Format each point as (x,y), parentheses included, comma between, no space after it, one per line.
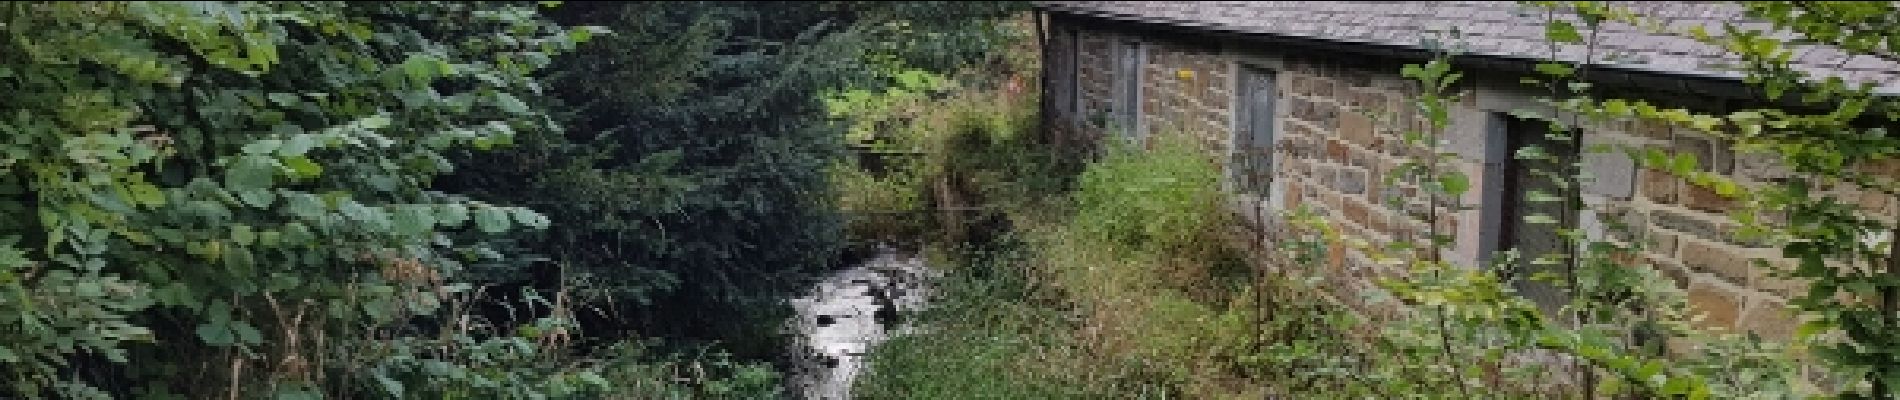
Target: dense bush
(692,178)
(1100,291)
(946,153)
(1109,305)
(1159,201)
(217,198)
(310,199)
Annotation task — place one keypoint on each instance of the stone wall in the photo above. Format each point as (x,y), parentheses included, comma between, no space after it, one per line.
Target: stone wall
(1687,232)
(1338,134)
(1338,137)
(1188,91)
(1095,78)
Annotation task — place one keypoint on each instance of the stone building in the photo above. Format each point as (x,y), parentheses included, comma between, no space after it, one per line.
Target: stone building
(1303,102)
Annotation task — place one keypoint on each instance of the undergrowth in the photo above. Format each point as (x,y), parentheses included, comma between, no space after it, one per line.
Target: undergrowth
(1128,279)
(1095,292)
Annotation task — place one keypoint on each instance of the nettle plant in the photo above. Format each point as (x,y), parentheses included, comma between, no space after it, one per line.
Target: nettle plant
(1831,136)
(1465,330)
(233,198)
(1621,328)
(1452,330)
(1628,324)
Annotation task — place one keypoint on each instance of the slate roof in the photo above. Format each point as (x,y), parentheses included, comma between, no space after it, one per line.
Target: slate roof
(1489,28)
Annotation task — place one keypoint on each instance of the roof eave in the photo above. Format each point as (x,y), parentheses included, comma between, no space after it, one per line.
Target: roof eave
(1704,83)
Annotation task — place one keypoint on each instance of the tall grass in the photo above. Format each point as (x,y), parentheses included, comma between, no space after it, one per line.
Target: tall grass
(1121,287)
(951,169)
(983,339)
(1158,201)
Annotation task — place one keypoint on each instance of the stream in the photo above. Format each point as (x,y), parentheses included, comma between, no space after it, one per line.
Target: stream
(847,313)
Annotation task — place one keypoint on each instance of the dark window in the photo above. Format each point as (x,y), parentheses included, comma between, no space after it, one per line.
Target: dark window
(1062,72)
(1252,169)
(1074,86)
(1127,89)
(1534,240)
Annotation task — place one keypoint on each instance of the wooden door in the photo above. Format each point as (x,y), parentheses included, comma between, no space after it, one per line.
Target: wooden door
(1127,91)
(1535,240)
(1252,166)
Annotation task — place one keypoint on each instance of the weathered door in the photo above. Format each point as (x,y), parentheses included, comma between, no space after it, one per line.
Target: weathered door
(1061,72)
(1252,167)
(1535,240)
(1127,90)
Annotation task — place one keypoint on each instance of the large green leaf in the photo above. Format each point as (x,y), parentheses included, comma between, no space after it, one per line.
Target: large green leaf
(491,219)
(452,214)
(250,172)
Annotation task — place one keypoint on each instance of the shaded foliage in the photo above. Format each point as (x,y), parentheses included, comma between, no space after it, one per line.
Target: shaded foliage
(311,199)
(689,190)
(239,194)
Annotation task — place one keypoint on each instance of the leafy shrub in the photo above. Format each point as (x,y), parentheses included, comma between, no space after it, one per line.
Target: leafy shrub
(1161,201)
(695,176)
(641,373)
(1094,298)
(983,338)
(956,163)
(234,198)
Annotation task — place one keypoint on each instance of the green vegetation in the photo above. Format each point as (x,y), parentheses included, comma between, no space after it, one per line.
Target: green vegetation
(1128,285)
(1020,316)
(611,200)
(235,188)
(691,179)
(1835,137)
(426,199)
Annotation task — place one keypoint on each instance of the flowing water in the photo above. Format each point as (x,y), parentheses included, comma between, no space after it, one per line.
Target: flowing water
(846,314)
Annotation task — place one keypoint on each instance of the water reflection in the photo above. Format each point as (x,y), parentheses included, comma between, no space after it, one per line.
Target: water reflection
(846,314)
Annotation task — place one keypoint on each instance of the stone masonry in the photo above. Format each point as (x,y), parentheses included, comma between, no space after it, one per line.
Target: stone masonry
(1095,78)
(1338,136)
(1187,91)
